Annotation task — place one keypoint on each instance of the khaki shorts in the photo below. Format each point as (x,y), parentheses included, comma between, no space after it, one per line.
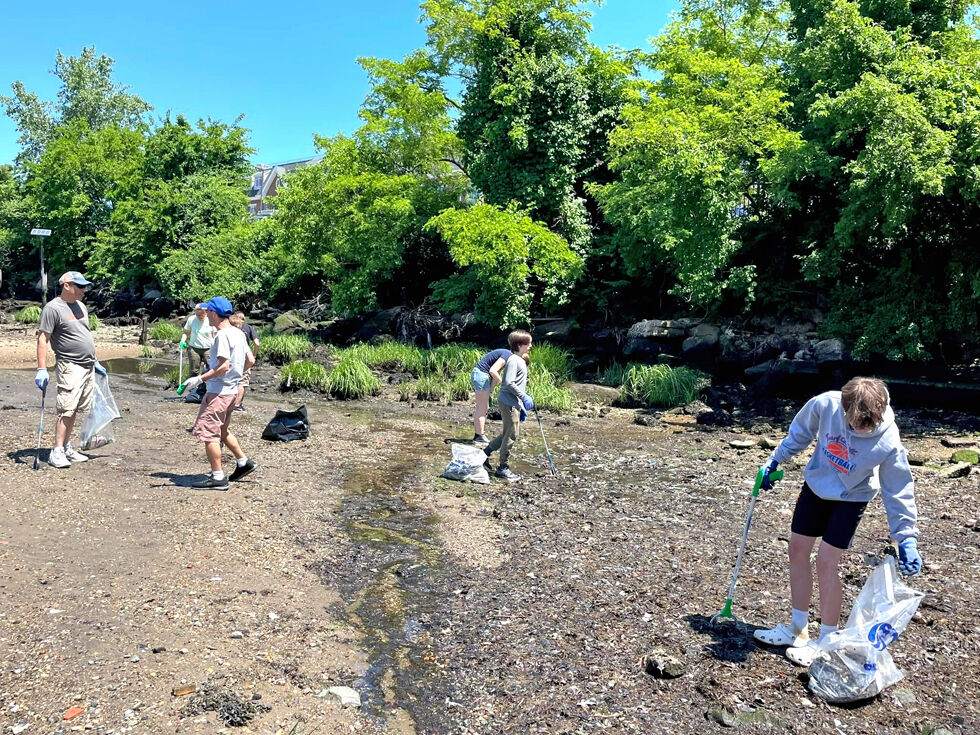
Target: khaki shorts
(246,379)
(214,416)
(76,387)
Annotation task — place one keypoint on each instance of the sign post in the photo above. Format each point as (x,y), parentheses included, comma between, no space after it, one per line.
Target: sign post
(40,233)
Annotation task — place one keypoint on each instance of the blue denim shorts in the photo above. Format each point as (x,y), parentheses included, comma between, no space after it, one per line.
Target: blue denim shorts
(479,379)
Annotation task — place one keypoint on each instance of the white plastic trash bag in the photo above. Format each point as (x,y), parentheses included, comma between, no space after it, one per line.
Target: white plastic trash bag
(97,427)
(854,664)
(467,465)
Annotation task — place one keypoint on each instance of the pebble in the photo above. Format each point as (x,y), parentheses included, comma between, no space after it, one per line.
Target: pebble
(237,634)
(348,697)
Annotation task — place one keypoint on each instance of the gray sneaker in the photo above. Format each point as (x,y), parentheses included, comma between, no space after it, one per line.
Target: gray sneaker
(74,456)
(480,440)
(58,459)
(504,473)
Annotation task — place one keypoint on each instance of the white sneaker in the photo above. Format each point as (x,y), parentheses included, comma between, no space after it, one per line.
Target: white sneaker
(58,459)
(74,456)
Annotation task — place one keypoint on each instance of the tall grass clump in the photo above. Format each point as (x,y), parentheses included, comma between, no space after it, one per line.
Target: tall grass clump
(614,375)
(29,315)
(351,379)
(547,391)
(448,360)
(460,388)
(662,386)
(556,361)
(94,322)
(391,356)
(165,332)
(432,387)
(304,375)
(172,377)
(282,349)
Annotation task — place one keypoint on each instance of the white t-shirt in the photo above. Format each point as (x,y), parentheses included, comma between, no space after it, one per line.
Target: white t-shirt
(201,332)
(231,343)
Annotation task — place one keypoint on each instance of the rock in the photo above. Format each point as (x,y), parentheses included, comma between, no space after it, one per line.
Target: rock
(158,649)
(641,349)
(184,690)
(742,443)
(151,293)
(702,344)
(916,461)
(646,419)
(958,441)
(970,456)
(557,331)
(592,393)
(715,417)
(696,408)
(74,712)
(903,697)
(960,469)
(929,729)
(348,697)
(236,634)
(289,323)
(828,350)
(766,443)
(650,329)
(726,718)
(661,665)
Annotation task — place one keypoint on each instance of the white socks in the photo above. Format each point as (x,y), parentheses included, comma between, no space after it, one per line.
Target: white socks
(801,619)
(217,475)
(826,630)
(241,462)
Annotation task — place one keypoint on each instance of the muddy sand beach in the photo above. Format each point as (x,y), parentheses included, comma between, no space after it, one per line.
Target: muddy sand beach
(132,603)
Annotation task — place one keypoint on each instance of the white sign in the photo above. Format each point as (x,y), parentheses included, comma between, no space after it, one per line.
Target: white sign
(40,232)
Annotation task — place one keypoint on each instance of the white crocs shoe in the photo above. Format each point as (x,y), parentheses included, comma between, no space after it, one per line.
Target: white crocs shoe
(802,655)
(74,456)
(782,635)
(58,459)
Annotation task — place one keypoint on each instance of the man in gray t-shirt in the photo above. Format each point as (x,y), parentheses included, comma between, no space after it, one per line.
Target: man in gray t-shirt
(64,326)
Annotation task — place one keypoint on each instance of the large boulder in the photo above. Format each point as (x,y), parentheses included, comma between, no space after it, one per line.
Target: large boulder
(560,332)
(702,344)
(656,329)
(289,323)
(828,351)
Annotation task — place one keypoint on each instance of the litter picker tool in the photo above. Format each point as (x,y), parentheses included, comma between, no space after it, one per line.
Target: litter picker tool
(180,366)
(551,462)
(40,430)
(726,612)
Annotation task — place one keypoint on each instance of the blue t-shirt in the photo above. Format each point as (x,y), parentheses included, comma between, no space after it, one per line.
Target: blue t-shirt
(487,361)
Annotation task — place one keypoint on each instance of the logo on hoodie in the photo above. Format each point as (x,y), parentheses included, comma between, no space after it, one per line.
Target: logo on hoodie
(836,452)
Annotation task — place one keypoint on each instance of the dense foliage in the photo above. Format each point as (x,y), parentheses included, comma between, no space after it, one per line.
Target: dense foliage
(768,156)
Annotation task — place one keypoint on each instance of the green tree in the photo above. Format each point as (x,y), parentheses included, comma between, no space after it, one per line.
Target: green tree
(87,93)
(16,250)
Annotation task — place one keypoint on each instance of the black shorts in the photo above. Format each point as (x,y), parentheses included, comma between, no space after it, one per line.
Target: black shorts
(834,520)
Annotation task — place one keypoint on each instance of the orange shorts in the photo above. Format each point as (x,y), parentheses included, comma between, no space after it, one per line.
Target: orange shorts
(214,417)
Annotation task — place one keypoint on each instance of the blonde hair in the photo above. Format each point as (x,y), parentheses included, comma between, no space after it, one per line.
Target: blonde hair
(517,338)
(864,401)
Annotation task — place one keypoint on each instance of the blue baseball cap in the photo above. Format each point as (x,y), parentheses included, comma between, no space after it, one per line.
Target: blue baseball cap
(220,306)
(74,277)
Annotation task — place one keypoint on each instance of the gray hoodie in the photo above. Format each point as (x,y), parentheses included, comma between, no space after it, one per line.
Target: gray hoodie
(851,466)
(514,382)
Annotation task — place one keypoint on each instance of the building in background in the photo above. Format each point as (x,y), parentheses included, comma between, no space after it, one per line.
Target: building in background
(266,181)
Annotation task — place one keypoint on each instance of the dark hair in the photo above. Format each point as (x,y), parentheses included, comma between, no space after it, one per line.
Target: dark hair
(517,338)
(864,401)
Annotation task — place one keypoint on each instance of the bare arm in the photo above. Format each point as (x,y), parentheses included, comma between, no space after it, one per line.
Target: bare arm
(495,371)
(42,349)
(224,365)
(249,360)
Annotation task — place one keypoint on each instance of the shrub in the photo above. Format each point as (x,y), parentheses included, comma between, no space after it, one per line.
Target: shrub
(351,378)
(93,322)
(662,385)
(29,315)
(303,375)
(282,349)
(555,360)
(165,332)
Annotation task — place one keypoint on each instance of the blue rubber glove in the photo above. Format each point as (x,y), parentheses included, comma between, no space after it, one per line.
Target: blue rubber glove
(41,378)
(99,369)
(768,467)
(909,561)
(528,402)
(523,415)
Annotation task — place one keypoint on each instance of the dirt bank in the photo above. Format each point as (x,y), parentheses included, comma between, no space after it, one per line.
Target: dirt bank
(451,608)
(18,344)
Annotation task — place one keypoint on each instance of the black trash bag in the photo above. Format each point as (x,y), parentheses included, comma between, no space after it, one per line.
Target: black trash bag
(287,426)
(197,396)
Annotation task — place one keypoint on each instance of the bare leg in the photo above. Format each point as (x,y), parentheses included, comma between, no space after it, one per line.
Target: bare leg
(62,429)
(828,577)
(232,443)
(800,570)
(213,450)
(480,414)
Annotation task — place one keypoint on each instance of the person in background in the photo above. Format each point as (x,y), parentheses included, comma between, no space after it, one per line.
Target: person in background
(483,378)
(252,340)
(514,402)
(197,338)
(64,326)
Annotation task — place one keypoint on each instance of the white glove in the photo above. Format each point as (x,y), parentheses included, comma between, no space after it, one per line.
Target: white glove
(189,385)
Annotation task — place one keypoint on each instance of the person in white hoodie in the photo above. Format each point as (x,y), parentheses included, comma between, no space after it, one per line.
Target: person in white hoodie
(858,453)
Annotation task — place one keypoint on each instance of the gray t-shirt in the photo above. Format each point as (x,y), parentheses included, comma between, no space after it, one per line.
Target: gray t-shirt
(230,343)
(515,382)
(67,328)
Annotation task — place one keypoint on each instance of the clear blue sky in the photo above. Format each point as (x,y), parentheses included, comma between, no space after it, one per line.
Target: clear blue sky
(288,66)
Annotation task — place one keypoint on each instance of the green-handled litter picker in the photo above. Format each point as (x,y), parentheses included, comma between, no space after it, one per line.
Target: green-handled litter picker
(726,612)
